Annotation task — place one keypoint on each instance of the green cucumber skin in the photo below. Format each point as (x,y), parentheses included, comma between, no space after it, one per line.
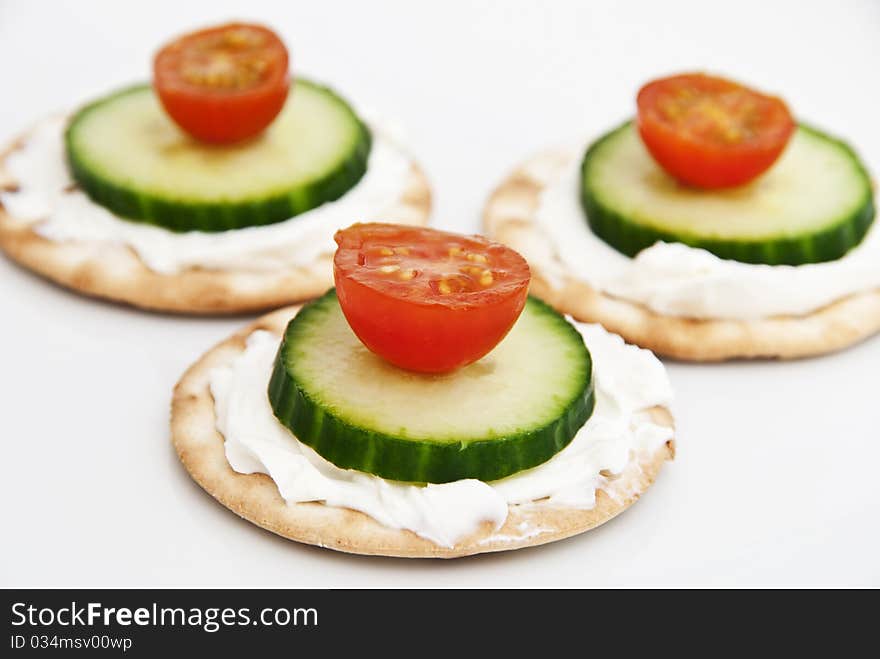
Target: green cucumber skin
(180,215)
(351,447)
(828,244)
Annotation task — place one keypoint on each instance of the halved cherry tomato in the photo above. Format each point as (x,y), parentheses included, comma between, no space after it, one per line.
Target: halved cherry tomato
(709,132)
(427,300)
(223,84)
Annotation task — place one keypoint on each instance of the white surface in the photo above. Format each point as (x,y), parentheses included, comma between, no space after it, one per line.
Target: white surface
(775,481)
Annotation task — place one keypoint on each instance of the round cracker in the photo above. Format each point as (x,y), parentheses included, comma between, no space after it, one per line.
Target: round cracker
(255,497)
(115,272)
(509,217)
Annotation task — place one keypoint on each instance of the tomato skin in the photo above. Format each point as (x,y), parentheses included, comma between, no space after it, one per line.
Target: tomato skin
(409,323)
(709,132)
(235,108)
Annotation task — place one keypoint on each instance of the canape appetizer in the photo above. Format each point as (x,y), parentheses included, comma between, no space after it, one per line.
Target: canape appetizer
(712,226)
(425,407)
(217,188)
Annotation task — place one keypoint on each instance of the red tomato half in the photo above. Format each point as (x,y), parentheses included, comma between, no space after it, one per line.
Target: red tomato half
(223,84)
(710,132)
(427,300)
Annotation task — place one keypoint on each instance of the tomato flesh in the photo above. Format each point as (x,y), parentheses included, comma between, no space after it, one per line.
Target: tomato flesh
(427,300)
(709,132)
(223,84)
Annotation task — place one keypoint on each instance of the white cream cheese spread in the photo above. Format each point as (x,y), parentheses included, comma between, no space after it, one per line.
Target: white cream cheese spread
(45,198)
(677,280)
(628,381)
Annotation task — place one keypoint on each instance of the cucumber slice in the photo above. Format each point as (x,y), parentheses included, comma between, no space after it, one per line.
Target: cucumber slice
(513,409)
(813,205)
(128,156)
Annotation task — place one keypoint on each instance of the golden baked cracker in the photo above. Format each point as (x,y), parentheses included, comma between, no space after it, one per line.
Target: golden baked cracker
(509,217)
(115,272)
(255,496)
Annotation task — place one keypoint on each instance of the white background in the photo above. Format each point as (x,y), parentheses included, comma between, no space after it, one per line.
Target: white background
(776,477)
